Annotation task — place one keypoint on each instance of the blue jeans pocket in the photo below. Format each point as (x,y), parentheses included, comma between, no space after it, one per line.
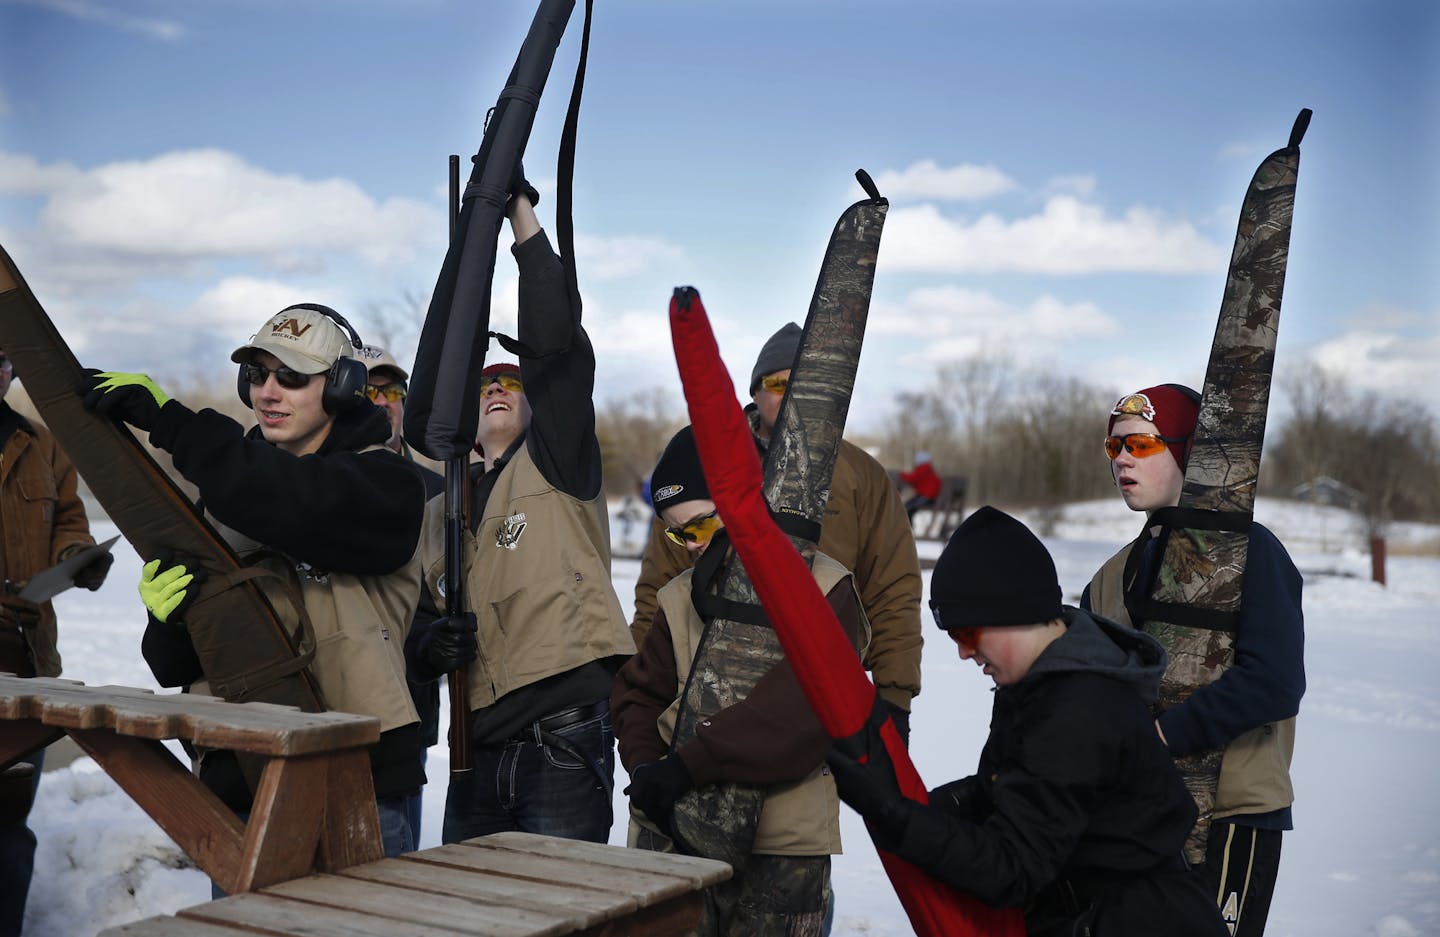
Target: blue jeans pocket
(594,739)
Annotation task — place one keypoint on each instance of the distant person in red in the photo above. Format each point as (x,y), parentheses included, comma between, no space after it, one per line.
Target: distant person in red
(924,481)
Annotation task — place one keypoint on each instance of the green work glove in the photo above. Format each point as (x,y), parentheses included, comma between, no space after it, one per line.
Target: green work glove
(166,592)
(131,398)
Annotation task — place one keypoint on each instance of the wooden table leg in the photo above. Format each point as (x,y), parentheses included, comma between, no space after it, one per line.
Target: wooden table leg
(188,811)
(285,822)
(351,834)
(20,737)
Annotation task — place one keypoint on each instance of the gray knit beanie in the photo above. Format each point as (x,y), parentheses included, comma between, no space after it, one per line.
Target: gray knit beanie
(778,354)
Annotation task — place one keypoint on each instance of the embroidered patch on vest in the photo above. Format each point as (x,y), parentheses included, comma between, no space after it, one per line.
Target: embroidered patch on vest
(508,534)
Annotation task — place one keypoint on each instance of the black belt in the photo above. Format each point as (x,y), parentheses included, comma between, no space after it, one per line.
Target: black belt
(567,718)
(542,731)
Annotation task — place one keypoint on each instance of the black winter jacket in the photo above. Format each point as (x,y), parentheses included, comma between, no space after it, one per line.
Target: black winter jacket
(337,510)
(1077,812)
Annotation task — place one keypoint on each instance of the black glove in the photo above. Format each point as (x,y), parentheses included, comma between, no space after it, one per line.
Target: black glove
(865,779)
(656,785)
(519,185)
(129,398)
(962,798)
(92,575)
(446,644)
(901,719)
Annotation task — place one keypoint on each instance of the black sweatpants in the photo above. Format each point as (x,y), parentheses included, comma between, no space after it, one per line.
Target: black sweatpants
(1241,863)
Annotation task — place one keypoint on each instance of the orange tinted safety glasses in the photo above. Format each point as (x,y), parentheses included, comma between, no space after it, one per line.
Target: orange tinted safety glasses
(697,530)
(968,638)
(1140,445)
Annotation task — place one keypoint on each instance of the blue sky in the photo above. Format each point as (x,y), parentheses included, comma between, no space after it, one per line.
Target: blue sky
(1065,178)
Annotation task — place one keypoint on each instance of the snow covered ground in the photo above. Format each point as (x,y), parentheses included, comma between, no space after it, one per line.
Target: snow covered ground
(1364,859)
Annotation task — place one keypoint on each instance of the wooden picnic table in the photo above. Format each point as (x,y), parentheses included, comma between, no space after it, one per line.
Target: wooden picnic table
(314,807)
(503,885)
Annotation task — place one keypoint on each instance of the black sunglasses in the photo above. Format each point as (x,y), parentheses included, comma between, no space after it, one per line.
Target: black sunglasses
(256,375)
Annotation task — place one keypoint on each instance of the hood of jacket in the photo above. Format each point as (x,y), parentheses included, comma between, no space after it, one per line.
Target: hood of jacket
(1092,644)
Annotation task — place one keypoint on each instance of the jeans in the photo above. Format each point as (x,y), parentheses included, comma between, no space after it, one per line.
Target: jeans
(395,833)
(414,805)
(528,785)
(17,861)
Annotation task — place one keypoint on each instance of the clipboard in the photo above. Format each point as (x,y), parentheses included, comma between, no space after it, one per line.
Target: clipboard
(48,583)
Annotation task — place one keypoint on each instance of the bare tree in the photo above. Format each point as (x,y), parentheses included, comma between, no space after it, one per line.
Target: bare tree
(633,430)
(1387,450)
(394,324)
(1019,434)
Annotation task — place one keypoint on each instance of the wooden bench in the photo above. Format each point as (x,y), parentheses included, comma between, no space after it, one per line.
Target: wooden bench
(503,885)
(946,512)
(314,807)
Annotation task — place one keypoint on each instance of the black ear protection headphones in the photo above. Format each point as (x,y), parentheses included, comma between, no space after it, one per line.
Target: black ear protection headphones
(1193,396)
(346,379)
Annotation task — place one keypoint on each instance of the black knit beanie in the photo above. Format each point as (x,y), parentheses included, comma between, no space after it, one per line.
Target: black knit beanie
(994,571)
(677,477)
(778,354)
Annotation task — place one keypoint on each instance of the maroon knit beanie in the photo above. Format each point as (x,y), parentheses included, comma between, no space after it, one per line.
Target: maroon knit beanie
(504,367)
(1173,408)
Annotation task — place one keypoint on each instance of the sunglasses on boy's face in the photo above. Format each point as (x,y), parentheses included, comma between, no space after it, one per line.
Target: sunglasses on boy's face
(510,382)
(775,383)
(697,530)
(391,392)
(966,637)
(1140,445)
(256,376)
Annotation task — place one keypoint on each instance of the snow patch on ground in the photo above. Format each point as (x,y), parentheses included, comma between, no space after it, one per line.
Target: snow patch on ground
(1366,759)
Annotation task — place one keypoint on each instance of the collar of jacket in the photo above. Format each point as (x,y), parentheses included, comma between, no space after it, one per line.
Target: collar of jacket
(351,431)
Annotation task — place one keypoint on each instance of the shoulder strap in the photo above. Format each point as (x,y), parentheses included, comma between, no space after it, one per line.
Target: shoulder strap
(1139,604)
(704,591)
(564,201)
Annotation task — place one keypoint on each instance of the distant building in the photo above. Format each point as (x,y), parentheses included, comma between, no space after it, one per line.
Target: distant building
(1326,490)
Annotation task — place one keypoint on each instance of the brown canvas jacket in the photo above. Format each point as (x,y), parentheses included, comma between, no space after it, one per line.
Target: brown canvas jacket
(41,515)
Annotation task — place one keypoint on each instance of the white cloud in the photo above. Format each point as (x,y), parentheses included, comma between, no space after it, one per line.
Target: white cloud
(211,203)
(22,175)
(167,30)
(610,258)
(1079,186)
(1240,151)
(955,322)
(238,303)
(926,179)
(1069,236)
(1391,364)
